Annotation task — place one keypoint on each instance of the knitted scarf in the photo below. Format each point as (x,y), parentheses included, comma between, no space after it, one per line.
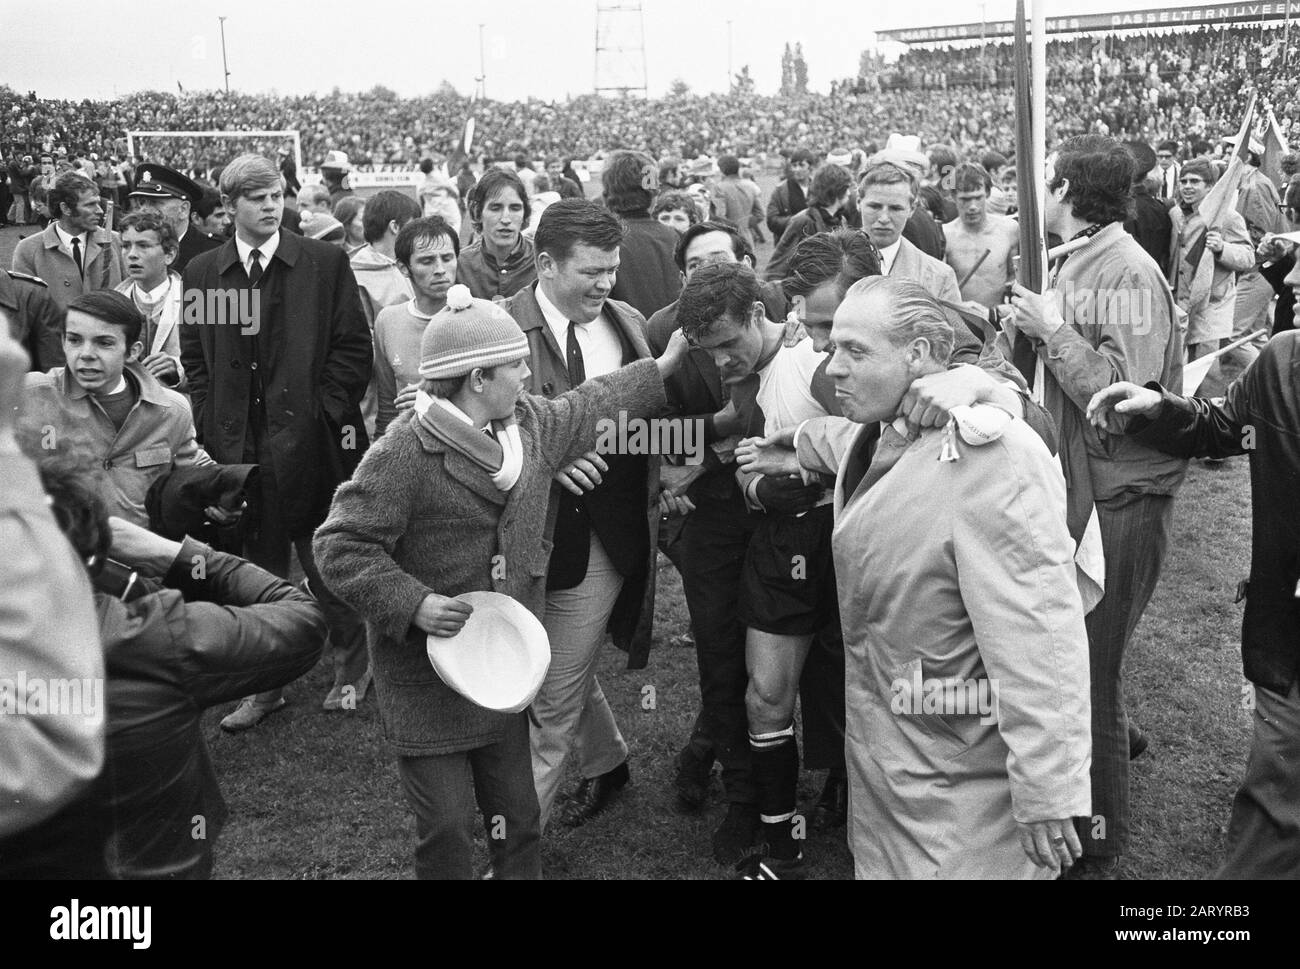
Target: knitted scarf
(501,455)
(152,311)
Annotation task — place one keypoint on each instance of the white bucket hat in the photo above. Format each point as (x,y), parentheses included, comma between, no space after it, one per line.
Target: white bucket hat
(500,656)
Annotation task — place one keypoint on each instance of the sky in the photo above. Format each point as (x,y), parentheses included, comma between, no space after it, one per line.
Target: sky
(540,49)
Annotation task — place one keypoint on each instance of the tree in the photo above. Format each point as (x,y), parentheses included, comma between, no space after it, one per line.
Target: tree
(744,83)
(678,88)
(800,69)
(447,90)
(787,72)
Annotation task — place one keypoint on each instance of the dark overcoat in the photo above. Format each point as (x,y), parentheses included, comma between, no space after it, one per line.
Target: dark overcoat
(316,356)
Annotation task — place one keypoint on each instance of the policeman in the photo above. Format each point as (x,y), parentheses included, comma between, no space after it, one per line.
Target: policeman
(35,319)
(172,195)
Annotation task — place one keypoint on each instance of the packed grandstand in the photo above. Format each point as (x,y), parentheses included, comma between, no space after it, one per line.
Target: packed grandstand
(1185,85)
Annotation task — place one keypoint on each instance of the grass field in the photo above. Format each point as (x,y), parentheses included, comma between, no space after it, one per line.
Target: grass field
(316,795)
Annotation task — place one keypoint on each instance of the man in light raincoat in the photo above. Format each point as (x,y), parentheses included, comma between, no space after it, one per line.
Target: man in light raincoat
(968,734)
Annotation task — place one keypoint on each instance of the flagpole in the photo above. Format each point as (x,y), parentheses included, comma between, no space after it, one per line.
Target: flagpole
(224,66)
(1029,268)
(1038,89)
(482,65)
(1286,36)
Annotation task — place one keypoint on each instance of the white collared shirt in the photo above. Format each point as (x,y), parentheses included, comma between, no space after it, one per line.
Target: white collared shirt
(888,255)
(601,351)
(267,248)
(155,294)
(65,240)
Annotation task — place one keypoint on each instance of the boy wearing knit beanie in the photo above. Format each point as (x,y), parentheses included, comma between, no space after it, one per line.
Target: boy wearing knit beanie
(454,499)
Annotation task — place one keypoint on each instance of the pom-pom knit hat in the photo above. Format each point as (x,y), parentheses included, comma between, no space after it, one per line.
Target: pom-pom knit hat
(469,333)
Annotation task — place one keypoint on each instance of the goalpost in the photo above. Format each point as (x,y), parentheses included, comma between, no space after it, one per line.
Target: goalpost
(131,137)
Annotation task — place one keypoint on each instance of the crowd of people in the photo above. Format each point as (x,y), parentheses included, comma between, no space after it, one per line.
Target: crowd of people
(1144,85)
(410,395)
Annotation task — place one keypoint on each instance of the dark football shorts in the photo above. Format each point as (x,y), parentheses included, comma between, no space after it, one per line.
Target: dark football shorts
(787,585)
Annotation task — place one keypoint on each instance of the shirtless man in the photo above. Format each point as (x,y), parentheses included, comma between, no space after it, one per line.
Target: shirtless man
(976,231)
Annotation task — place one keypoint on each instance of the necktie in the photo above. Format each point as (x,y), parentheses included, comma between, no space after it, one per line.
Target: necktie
(76,256)
(889,449)
(255,270)
(577,367)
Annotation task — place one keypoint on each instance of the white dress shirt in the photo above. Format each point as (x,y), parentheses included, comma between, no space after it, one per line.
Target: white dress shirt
(65,240)
(267,248)
(887,256)
(1169,179)
(601,350)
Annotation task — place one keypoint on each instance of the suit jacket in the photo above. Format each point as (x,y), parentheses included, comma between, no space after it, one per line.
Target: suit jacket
(193,242)
(631,622)
(42,255)
(315,354)
(937,277)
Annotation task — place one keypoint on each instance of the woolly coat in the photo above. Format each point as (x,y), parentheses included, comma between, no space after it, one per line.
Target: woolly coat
(418,518)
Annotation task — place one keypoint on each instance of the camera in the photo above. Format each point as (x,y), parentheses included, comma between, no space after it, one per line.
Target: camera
(112,578)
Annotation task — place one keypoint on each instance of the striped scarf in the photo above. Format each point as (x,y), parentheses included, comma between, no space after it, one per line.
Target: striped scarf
(500,454)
